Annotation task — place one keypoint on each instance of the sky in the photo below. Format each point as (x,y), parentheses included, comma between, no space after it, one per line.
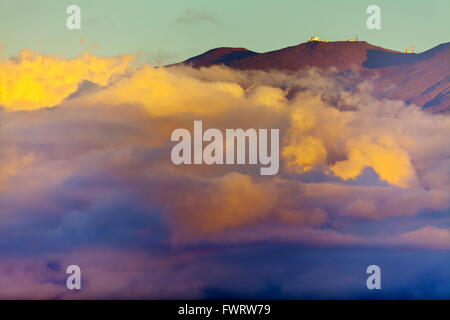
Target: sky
(86,176)
(171,31)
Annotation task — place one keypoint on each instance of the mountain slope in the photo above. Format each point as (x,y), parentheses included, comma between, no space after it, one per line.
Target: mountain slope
(425,81)
(421,79)
(220,56)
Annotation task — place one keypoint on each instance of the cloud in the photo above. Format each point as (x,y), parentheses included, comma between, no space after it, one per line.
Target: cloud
(31,81)
(195,16)
(428,237)
(93,172)
(157,57)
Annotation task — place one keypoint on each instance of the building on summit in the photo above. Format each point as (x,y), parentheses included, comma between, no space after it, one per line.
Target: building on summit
(316,38)
(409,51)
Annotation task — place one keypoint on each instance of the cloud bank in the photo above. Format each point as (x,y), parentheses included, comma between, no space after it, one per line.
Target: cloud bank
(93,172)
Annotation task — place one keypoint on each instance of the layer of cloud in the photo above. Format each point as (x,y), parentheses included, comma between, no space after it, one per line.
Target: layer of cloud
(94,171)
(194,16)
(31,81)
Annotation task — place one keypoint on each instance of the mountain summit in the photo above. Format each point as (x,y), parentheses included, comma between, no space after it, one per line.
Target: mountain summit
(421,79)
(339,54)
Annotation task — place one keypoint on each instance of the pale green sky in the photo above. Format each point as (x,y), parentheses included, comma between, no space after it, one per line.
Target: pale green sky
(156,28)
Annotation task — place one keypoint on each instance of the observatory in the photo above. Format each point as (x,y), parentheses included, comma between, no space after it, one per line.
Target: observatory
(409,51)
(316,38)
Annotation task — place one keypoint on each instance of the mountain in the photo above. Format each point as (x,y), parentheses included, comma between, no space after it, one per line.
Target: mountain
(340,54)
(220,56)
(421,79)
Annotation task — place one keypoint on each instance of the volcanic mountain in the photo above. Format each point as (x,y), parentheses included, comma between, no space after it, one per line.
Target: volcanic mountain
(421,79)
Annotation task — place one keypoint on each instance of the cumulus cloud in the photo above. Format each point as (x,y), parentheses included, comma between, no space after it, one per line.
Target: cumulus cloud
(95,171)
(30,81)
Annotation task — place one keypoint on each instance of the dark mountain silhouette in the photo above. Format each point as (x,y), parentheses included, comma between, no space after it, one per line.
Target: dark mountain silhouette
(220,56)
(421,79)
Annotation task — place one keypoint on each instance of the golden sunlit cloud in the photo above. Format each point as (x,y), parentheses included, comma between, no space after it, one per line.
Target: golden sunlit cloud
(165,93)
(31,81)
(384,156)
(123,127)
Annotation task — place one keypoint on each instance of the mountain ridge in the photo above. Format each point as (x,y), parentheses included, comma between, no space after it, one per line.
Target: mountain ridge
(416,78)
